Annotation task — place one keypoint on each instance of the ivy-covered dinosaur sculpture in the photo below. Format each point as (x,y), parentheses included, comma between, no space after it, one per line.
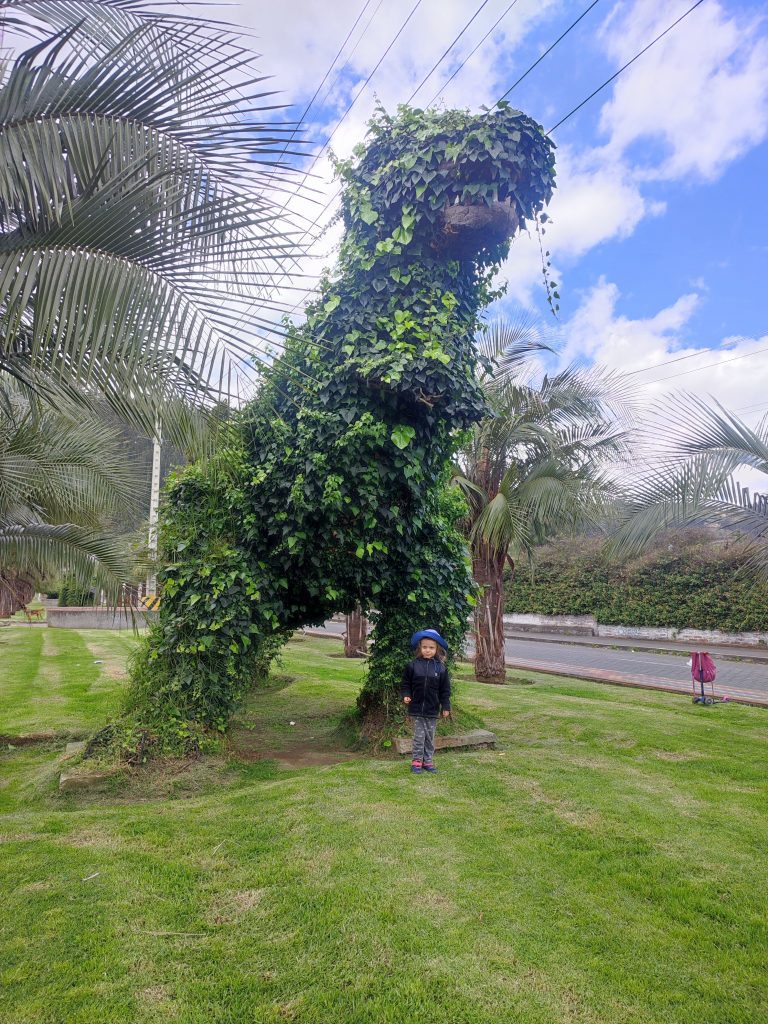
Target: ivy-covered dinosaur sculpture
(332,493)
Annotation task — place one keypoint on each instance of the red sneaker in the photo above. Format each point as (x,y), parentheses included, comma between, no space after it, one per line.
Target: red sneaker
(416,767)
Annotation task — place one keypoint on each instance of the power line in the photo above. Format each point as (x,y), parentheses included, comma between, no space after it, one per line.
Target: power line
(365,83)
(322,83)
(338,125)
(442,58)
(744,355)
(668,362)
(624,68)
(509,90)
(353,51)
(528,71)
(471,54)
(300,185)
(549,50)
(333,198)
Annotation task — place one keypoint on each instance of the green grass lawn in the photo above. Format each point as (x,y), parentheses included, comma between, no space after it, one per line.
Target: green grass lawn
(60,680)
(605,864)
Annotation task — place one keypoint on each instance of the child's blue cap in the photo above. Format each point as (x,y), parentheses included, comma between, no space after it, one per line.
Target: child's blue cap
(428,634)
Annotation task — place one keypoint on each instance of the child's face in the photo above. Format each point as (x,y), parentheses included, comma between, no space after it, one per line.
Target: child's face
(428,648)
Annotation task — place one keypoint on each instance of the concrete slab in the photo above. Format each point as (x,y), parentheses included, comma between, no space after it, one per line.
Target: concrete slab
(476,738)
(77,781)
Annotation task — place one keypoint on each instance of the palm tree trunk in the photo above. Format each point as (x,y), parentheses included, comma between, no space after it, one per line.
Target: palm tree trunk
(15,592)
(356,635)
(488,571)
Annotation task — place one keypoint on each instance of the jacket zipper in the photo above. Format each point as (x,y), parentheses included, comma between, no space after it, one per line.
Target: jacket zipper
(424,691)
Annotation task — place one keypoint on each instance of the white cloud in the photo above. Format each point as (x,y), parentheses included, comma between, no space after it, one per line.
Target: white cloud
(702,90)
(596,201)
(700,98)
(660,360)
(736,372)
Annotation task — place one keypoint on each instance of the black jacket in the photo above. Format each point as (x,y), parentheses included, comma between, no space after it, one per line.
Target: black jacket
(427,683)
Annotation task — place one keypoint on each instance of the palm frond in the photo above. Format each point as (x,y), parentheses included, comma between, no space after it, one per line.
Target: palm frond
(695,424)
(61,467)
(41,549)
(538,460)
(135,230)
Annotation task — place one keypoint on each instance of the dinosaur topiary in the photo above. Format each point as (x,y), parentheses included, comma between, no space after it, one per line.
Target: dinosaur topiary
(331,493)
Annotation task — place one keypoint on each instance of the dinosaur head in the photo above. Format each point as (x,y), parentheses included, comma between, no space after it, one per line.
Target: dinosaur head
(450,183)
(430,203)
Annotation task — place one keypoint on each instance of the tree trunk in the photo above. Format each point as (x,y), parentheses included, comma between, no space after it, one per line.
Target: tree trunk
(356,636)
(15,592)
(488,570)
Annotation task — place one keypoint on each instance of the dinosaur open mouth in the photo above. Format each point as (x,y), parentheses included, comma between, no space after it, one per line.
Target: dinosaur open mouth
(465,229)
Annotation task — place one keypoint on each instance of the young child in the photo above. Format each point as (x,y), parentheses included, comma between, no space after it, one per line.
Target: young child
(426,690)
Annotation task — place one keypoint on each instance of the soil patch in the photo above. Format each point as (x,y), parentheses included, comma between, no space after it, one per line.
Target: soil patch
(302,755)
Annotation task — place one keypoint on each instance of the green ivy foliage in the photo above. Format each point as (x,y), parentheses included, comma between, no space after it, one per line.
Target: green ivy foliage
(331,493)
(696,585)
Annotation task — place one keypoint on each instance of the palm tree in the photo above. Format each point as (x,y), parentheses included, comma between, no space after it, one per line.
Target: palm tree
(65,488)
(535,466)
(704,446)
(138,225)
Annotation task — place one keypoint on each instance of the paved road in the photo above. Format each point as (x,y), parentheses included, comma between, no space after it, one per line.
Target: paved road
(741,680)
(738,679)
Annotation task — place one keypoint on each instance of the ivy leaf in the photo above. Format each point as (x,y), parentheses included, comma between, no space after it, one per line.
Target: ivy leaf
(332,303)
(368,214)
(402,436)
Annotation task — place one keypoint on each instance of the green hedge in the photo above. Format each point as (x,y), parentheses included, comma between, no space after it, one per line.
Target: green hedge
(699,584)
(73,593)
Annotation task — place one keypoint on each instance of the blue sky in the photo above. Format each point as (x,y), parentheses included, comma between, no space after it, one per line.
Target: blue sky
(660,222)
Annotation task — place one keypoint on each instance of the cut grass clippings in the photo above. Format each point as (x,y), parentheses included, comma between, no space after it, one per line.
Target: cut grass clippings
(605,865)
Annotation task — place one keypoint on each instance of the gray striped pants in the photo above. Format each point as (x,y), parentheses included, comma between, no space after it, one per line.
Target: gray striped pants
(423,738)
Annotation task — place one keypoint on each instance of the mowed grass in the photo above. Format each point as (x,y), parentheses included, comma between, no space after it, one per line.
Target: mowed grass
(60,680)
(605,864)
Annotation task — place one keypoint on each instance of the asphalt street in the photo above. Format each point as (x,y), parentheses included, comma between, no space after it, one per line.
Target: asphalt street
(745,681)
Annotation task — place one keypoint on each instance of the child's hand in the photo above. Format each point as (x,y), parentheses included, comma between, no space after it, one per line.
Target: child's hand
(446,713)
(406,700)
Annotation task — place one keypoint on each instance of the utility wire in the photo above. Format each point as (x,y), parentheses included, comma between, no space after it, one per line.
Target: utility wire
(549,50)
(283,274)
(509,90)
(322,83)
(624,68)
(325,145)
(471,54)
(668,362)
(365,83)
(353,51)
(442,58)
(517,82)
(744,355)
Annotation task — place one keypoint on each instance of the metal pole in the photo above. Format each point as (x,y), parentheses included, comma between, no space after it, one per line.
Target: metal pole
(154,503)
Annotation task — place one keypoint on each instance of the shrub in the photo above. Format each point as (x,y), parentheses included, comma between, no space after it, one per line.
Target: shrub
(690,580)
